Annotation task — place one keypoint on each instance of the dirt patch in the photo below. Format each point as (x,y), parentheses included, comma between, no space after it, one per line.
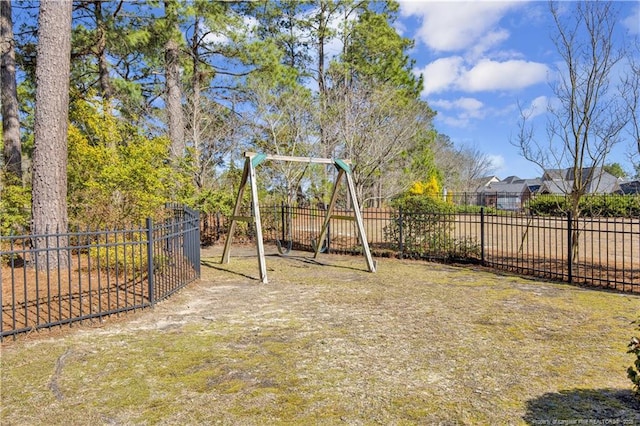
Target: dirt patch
(326,342)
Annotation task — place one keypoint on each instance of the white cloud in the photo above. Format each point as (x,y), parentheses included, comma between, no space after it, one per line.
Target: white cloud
(452,74)
(538,107)
(336,22)
(221,37)
(459,122)
(216,38)
(462,111)
(497,162)
(470,107)
(485,43)
(250,23)
(456,26)
(400,28)
(441,74)
(508,75)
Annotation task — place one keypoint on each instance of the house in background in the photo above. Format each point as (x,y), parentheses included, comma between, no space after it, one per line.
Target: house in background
(629,188)
(512,193)
(470,195)
(477,184)
(595,180)
(509,194)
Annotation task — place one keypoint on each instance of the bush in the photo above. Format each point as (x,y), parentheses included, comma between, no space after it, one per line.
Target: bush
(607,205)
(15,206)
(427,227)
(423,204)
(610,206)
(120,254)
(549,205)
(470,209)
(116,175)
(213,201)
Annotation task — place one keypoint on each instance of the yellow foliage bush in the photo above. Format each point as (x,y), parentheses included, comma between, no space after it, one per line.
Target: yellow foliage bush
(128,257)
(116,175)
(429,188)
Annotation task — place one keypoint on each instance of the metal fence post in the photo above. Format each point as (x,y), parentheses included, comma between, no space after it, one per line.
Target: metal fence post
(196,224)
(283,221)
(482,235)
(569,247)
(218,226)
(400,242)
(150,267)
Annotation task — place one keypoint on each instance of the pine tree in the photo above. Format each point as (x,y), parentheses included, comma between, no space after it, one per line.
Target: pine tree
(49,203)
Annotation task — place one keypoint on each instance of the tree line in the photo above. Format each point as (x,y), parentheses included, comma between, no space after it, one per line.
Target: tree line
(112,108)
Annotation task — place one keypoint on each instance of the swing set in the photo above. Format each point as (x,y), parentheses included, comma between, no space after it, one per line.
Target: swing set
(253,160)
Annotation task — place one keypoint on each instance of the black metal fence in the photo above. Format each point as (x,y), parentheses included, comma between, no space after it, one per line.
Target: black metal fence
(76,276)
(592,251)
(100,273)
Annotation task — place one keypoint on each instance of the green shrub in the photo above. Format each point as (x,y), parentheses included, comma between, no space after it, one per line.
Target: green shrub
(120,254)
(427,225)
(15,206)
(423,204)
(213,200)
(116,174)
(470,209)
(607,205)
(549,205)
(610,206)
(466,248)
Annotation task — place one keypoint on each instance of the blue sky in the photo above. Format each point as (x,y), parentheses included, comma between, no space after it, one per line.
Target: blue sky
(480,59)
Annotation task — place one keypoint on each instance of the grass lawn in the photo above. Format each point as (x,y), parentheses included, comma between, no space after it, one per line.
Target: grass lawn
(326,342)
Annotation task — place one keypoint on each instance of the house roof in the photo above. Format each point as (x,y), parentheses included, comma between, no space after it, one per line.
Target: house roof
(556,186)
(631,187)
(511,179)
(560,181)
(512,184)
(504,187)
(485,180)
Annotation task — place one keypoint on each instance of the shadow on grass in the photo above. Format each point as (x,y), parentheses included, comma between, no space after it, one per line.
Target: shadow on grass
(584,406)
(313,261)
(216,265)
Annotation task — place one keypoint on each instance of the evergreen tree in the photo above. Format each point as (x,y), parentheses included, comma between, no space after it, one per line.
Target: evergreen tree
(49,202)
(10,121)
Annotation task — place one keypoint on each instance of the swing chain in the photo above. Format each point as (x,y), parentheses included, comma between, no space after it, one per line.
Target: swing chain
(286,228)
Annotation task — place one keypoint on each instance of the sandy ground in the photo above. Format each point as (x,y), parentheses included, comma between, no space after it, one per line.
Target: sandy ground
(326,342)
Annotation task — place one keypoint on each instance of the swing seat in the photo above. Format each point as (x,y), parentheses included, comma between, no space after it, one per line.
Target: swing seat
(314,245)
(284,251)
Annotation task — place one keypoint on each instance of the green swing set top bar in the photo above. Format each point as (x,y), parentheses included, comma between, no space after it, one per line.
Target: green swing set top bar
(253,160)
(257,159)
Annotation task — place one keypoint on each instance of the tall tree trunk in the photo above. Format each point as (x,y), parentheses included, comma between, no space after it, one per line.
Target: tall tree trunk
(49,184)
(101,50)
(10,121)
(195,102)
(175,115)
